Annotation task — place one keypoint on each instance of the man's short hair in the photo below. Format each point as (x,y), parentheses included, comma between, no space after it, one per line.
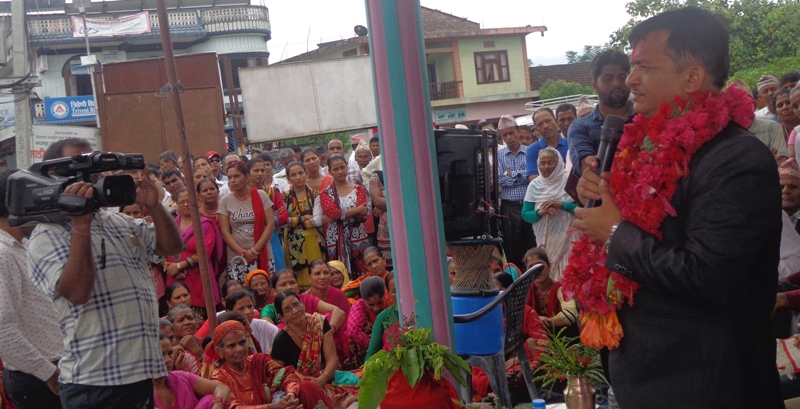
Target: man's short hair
(321,150)
(696,36)
(286,153)
(170,172)
(374,139)
(154,169)
(335,140)
(296,149)
(56,149)
(545,109)
(793,76)
(484,123)
(608,57)
(566,107)
(169,156)
(3,188)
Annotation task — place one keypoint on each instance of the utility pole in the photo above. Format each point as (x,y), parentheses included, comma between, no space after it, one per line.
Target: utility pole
(90,63)
(22,96)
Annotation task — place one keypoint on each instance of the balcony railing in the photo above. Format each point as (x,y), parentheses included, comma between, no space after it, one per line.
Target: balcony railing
(193,22)
(443,90)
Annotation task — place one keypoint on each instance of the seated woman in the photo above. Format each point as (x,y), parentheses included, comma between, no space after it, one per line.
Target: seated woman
(339,274)
(258,282)
(386,323)
(186,267)
(546,299)
(255,379)
(177,293)
(243,302)
(183,390)
(320,279)
(184,326)
(227,287)
(306,342)
(376,267)
(362,318)
(286,279)
(210,356)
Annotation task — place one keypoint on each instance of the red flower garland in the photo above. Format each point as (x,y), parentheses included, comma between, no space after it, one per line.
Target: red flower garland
(653,154)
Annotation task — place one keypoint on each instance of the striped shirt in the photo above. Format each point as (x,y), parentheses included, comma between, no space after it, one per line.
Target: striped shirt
(511,174)
(111,340)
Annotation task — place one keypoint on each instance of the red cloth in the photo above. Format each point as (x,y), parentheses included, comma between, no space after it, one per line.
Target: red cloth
(427,393)
(480,384)
(278,205)
(259,227)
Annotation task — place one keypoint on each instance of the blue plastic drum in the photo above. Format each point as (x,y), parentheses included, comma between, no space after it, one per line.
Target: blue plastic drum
(480,337)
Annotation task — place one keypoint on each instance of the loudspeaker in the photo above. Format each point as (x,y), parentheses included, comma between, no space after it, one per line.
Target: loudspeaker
(467,182)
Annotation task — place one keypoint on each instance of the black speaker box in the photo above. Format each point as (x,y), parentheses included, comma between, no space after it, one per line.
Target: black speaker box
(467,182)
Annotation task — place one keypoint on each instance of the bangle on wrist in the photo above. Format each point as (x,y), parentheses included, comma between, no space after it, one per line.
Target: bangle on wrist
(81,233)
(607,244)
(253,249)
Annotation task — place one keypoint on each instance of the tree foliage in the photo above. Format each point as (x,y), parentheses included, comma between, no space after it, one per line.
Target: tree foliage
(560,88)
(761,30)
(776,67)
(589,51)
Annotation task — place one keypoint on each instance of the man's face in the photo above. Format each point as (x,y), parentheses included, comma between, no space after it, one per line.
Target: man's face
(789,85)
(611,88)
(215,162)
(566,118)
(794,99)
(228,160)
(525,136)
(545,125)
(172,183)
(375,148)
(363,157)
(654,77)
(335,147)
(766,93)
(510,137)
(790,194)
(488,126)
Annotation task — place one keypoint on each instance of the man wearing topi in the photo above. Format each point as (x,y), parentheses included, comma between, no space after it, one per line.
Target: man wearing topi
(689,229)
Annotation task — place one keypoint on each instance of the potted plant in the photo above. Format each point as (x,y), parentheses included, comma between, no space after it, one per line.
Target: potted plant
(409,373)
(566,358)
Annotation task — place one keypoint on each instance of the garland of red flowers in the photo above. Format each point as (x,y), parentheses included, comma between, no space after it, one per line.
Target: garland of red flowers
(653,154)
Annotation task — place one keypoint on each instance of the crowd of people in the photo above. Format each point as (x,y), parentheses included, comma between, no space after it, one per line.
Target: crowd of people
(108,309)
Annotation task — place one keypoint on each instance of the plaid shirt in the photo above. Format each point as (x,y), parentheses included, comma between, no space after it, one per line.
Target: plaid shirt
(111,340)
(511,173)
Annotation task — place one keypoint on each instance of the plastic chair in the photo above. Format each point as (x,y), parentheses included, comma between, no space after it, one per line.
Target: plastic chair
(513,299)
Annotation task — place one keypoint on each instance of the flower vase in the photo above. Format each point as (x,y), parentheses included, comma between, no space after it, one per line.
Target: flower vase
(579,393)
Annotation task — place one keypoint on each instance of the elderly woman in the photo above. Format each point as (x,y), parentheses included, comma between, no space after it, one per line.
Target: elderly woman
(183,390)
(362,318)
(184,329)
(287,280)
(246,222)
(339,275)
(345,206)
(264,332)
(186,266)
(550,210)
(255,379)
(258,282)
(306,342)
(303,240)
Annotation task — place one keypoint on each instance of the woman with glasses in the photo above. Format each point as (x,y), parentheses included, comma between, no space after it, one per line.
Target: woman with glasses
(306,342)
(185,266)
(550,210)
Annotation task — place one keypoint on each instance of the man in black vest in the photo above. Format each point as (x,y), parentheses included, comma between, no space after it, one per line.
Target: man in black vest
(698,334)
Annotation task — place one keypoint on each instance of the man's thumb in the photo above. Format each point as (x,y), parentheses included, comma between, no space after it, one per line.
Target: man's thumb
(604,190)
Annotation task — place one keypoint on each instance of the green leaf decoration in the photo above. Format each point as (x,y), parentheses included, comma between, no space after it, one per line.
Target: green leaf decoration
(456,370)
(375,380)
(411,366)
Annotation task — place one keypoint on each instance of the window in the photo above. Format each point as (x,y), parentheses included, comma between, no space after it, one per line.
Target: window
(237,63)
(350,53)
(76,78)
(491,67)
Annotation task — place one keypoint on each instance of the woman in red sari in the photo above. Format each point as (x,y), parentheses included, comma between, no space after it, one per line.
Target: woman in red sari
(362,319)
(255,379)
(345,207)
(546,299)
(186,267)
(306,342)
(321,288)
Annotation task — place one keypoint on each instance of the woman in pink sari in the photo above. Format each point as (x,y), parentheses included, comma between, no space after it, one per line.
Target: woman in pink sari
(320,277)
(183,390)
(185,267)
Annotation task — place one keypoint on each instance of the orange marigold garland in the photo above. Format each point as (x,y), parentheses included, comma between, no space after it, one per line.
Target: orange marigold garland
(653,154)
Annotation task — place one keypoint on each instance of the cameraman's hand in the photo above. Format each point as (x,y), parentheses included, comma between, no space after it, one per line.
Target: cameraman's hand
(83,189)
(146,191)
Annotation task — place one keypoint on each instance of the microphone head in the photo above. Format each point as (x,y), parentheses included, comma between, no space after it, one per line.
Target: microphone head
(612,128)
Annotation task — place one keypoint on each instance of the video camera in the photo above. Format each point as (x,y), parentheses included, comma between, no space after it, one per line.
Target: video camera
(35,195)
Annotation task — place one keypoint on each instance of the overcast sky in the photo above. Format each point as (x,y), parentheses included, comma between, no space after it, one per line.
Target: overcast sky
(571,24)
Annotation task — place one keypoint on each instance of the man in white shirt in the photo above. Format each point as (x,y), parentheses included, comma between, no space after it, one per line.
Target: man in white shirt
(31,341)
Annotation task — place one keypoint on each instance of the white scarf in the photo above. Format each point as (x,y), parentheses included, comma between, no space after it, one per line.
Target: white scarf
(551,187)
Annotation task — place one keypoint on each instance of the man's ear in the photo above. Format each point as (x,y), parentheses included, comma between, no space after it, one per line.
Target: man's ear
(695,79)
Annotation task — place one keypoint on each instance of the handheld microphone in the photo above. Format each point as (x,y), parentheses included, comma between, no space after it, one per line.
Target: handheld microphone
(609,139)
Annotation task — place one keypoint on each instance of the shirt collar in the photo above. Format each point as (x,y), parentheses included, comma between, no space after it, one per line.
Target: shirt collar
(504,150)
(543,144)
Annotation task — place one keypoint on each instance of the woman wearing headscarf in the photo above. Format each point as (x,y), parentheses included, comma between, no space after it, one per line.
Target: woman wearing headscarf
(183,390)
(255,379)
(362,319)
(258,281)
(550,209)
(339,274)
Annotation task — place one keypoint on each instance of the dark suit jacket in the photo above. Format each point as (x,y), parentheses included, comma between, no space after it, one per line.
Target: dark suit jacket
(699,335)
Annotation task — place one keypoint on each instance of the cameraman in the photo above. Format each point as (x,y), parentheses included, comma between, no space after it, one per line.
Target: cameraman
(95,269)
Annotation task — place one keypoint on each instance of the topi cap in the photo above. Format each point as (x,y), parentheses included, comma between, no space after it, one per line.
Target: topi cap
(766,80)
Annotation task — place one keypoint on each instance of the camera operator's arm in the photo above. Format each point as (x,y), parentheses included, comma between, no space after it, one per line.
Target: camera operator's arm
(168,237)
(77,281)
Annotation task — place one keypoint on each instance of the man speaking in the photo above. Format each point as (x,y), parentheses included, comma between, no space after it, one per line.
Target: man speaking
(684,248)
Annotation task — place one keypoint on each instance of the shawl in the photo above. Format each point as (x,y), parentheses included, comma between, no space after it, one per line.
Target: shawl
(215,257)
(543,188)
(310,361)
(259,227)
(331,206)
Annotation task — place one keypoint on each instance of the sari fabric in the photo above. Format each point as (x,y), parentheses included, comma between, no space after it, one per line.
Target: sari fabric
(345,238)
(302,241)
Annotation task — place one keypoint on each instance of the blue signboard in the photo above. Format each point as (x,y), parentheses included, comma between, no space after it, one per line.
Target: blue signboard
(59,109)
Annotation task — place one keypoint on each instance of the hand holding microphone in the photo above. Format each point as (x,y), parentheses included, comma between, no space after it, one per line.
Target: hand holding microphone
(609,139)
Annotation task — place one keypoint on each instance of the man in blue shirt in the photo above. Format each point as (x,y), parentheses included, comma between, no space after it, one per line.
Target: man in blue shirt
(610,68)
(517,233)
(545,122)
